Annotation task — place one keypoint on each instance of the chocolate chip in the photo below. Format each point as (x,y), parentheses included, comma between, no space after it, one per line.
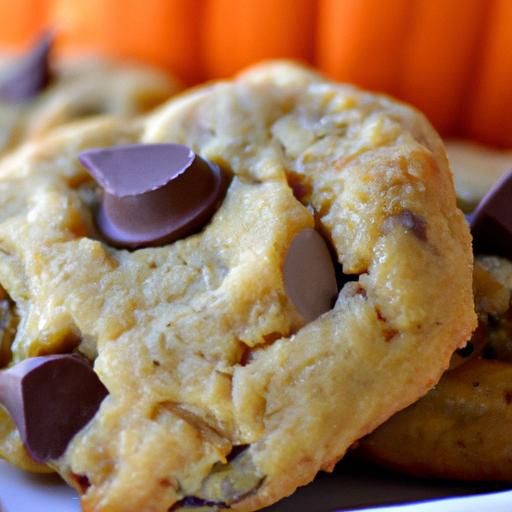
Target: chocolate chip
(50,398)
(410,221)
(309,275)
(30,74)
(491,222)
(153,194)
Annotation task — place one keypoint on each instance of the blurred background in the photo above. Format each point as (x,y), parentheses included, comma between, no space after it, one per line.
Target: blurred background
(450,58)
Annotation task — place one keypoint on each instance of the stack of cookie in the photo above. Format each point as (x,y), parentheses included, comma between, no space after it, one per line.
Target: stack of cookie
(460,429)
(204,307)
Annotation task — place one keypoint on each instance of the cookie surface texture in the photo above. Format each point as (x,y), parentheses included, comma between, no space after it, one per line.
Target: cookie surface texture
(220,394)
(461,429)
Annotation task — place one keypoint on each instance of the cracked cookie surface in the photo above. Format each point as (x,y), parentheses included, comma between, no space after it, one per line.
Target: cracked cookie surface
(219,394)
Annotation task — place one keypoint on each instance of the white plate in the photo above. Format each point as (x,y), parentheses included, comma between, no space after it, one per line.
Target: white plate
(22,492)
(350,486)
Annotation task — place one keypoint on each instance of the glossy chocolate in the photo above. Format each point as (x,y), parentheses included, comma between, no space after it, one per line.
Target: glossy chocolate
(309,275)
(153,194)
(50,398)
(491,222)
(30,74)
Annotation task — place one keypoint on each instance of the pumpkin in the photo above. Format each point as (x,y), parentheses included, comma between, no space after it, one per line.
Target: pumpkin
(449,58)
(427,52)
(164,33)
(20,20)
(237,33)
(489,116)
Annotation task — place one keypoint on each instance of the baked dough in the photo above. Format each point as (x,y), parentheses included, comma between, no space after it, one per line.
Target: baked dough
(82,88)
(220,394)
(461,429)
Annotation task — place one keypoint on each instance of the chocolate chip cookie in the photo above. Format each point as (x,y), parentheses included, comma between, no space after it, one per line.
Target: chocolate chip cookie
(38,93)
(461,429)
(326,289)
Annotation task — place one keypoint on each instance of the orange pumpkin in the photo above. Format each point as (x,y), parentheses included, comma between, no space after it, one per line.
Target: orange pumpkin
(164,33)
(450,58)
(21,20)
(359,40)
(438,58)
(489,116)
(239,32)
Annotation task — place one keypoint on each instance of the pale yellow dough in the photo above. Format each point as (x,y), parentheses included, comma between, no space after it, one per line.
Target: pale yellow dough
(461,429)
(197,342)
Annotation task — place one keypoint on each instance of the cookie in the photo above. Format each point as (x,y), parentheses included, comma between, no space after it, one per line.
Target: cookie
(460,430)
(225,390)
(475,169)
(55,93)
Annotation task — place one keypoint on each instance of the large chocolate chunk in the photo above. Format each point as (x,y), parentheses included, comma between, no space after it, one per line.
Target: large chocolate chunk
(309,275)
(50,398)
(491,222)
(30,74)
(153,194)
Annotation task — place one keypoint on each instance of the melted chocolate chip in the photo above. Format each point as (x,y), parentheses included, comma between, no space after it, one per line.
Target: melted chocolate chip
(309,275)
(410,221)
(491,222)
(30,74)
(153,194)
(50,398)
